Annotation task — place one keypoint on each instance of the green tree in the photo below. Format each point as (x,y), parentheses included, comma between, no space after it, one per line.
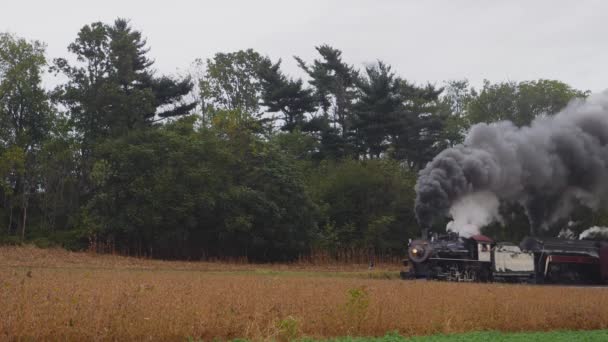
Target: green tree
(113,89)
(520,102)
(231,82)
(25,117)
(281,94)
(59,202)
(365,204)
(453,105)
(379,99)
(179,191)
(416,128)
(334,82)
(395,118)
(12,168)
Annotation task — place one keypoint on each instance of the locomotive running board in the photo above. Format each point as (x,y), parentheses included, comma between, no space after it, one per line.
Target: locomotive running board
(450,259)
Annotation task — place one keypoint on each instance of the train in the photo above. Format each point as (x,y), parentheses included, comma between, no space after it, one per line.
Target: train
(535,260)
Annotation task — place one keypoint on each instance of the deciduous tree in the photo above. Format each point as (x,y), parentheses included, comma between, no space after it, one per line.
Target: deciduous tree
(25,117)
(520,102)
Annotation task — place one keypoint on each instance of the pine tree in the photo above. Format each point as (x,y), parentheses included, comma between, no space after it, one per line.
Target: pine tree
(379,99)
(416,128)
(114,89)
(335,92)
(288,96)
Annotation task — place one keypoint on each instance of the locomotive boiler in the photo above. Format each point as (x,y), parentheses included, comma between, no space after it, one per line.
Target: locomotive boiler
(479,258)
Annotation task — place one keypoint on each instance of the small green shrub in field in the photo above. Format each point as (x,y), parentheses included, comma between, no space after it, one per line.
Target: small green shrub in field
(289,329)
(356,307)
(552,336)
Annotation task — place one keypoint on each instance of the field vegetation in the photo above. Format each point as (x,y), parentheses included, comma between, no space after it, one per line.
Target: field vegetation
(58,295)
(555,336)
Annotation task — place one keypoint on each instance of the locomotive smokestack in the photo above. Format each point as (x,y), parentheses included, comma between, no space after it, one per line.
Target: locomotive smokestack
(549,167)
(425,233)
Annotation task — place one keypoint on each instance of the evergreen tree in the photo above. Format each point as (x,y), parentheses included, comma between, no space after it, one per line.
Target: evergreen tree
(281,94)
(379,99)
(113,89)
(416,128)
(334,82)
(399,117)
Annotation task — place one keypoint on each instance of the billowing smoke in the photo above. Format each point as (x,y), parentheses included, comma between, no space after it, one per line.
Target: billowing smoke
(566,233)
(595,233)
(549,167)
(473,211)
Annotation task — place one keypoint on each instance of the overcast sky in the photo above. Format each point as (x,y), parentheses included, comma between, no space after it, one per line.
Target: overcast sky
(423,40)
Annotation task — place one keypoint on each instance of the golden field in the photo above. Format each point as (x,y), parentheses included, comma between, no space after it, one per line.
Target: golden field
(57,295)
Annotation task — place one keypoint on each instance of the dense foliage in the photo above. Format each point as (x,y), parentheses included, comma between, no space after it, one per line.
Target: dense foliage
(237,160)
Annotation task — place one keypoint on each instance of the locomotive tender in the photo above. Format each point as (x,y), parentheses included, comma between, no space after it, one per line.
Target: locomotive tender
(452,257)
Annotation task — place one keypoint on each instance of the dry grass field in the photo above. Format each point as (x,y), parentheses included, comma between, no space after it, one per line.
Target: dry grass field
(56,295)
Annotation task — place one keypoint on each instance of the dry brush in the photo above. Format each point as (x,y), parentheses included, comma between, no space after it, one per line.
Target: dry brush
(109,303)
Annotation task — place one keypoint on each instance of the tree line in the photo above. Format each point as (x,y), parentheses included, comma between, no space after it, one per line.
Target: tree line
(236,159)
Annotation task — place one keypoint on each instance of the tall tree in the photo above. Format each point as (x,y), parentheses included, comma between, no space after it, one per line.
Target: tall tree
(25,117)
(453,106)
(379,99)
(457,94)
(288,96)
(520,102)
(231,82)
(113,89)
(398,118)
(335,92)
(416,128)
(58,203)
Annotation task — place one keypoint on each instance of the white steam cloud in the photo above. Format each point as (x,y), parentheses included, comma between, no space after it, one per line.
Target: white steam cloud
(474,211)
(594,233)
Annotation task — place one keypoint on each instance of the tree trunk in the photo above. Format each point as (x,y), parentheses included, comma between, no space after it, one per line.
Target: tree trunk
(24,199)
(24,221)
(10,220)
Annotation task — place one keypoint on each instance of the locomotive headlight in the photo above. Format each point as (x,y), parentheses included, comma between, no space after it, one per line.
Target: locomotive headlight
(419,251)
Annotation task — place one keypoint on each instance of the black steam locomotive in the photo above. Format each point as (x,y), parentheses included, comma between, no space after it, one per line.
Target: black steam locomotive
(478,258)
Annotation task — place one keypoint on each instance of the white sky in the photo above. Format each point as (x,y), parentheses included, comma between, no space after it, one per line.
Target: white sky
(423,40)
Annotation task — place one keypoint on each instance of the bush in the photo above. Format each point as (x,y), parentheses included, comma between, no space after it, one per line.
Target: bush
(179,192)
(365,204)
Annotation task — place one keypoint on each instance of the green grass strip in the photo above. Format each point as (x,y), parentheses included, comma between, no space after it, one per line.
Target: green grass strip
(553,336)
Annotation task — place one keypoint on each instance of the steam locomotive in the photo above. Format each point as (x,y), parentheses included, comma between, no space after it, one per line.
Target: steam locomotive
(478,258)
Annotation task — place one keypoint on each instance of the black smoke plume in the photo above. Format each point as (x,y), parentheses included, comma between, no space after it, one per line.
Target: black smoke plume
(549,167)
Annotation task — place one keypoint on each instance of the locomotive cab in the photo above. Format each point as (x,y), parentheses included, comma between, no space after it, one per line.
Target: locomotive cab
(484,247)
